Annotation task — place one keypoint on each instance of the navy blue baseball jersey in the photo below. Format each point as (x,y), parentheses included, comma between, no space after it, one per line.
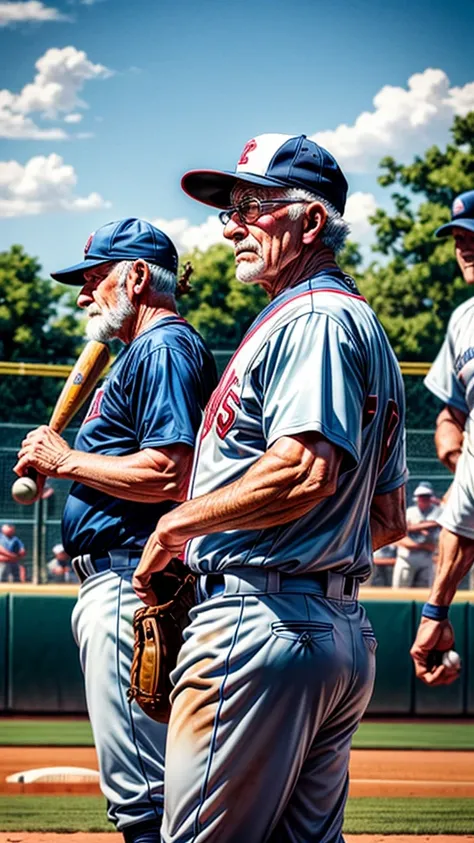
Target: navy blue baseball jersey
(153,396)
(13,544)
(316,359)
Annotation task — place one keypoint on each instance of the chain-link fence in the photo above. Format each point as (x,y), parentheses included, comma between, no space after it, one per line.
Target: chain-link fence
(39,526)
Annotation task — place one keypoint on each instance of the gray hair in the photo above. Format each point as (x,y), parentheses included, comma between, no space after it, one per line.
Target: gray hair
(336,229)
(162,281)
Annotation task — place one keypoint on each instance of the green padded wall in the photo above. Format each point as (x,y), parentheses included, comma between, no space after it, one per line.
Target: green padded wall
(393,624)
(3,649)
(470,655)
(44,673)
(448,699)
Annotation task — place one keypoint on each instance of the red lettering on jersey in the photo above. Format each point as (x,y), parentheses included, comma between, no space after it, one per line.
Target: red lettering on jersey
(226,417)
(94,409)
(249,147)
(219,400)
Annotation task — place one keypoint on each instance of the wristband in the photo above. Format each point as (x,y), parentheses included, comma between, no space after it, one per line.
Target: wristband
(434,613)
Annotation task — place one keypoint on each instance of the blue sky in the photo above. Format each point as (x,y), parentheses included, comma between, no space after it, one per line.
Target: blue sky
(127,96)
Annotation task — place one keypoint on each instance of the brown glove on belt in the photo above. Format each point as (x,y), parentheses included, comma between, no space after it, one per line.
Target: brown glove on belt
(158,639)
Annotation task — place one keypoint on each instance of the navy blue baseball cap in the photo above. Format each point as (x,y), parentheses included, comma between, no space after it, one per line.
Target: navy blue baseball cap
(462,214)
(273,161)
(129,240)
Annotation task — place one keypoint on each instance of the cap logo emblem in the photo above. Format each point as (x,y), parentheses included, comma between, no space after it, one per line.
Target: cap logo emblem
(249,147)
(88,243)
(458,206)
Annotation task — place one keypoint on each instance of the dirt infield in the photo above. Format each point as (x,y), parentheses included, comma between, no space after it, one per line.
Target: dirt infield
(373,772)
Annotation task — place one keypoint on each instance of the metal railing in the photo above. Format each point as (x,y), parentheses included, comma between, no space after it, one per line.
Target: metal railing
(39,526)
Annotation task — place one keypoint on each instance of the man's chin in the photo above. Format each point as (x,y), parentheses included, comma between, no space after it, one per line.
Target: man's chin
(248,273)
(97,330)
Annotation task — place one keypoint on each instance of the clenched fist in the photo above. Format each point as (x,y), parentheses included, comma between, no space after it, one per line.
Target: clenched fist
(44,450)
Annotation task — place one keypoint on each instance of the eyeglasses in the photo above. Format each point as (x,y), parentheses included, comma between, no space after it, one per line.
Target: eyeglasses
(251,209)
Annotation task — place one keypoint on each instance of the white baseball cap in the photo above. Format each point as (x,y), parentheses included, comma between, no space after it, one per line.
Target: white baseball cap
(423,489)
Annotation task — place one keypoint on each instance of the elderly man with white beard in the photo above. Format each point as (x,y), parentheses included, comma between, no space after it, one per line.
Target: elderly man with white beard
(130,462)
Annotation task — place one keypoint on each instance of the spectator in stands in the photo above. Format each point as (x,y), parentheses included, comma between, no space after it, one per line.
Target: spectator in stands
(11,551)
(414,564)
(58,568)
(384,561)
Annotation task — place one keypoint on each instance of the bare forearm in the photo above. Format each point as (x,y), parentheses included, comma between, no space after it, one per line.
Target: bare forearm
(141,477)
(387,518)
(449,436)
(277,489)
(422,525)
(456,557)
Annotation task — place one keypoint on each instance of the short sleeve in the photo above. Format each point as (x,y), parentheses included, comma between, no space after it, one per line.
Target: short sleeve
(441,380)
(164,401)
(313,381)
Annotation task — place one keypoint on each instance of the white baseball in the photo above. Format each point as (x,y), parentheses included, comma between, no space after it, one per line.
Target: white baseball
(24,490)
(452,659)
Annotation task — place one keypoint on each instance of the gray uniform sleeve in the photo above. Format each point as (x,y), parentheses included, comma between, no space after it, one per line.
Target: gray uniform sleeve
(312,381)
(442,381)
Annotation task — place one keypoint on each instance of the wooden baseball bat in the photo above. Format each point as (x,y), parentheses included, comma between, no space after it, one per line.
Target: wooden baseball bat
(79,385)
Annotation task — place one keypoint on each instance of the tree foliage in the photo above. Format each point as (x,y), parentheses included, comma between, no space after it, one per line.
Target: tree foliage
(37,324)
(220,307)
(417,285)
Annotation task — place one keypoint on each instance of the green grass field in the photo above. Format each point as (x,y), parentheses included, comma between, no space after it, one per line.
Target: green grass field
(421,735)
(363,816)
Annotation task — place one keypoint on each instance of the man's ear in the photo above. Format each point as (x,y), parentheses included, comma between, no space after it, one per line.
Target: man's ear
(139,277)
(314,221)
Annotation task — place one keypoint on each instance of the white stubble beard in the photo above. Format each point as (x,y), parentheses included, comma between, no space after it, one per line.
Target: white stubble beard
(249,271)
(104,326)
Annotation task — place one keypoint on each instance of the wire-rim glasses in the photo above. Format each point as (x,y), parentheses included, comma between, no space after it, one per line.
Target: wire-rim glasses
(249,210)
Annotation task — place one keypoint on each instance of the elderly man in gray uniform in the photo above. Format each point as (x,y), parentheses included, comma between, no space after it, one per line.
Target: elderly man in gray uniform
(414,566)
(299,470)
(451,378)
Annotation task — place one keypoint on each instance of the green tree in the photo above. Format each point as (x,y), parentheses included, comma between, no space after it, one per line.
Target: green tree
(37,324)
(220,307)
(416,289)
(417,285)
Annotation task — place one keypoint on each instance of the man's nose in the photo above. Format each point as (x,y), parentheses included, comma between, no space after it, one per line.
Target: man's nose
(84,298)
(235,229)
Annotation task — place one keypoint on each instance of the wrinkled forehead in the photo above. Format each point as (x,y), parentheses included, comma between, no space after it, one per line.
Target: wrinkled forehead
(252,191)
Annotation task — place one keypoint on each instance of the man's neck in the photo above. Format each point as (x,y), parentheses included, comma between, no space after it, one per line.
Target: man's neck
(146,316)
(309,263)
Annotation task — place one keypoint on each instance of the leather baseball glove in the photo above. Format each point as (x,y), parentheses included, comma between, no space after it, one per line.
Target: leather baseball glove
(158,639)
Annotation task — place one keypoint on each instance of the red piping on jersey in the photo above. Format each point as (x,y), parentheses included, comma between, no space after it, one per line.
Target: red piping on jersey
(282,305)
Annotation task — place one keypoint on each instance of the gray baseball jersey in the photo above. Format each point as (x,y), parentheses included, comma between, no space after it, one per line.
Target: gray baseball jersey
(451,378)
(316,359)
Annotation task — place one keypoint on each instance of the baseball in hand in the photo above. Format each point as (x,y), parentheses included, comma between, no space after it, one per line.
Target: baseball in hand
(451,659)
(24,490)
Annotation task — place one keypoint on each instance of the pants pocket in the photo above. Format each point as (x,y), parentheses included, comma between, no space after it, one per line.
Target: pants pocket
(302,631)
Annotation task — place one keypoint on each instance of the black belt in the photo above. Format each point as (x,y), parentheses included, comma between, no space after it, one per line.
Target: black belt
(249,579)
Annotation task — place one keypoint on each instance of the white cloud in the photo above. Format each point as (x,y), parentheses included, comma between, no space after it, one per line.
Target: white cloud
(75,117)
(61,75)
(44,184)
(30,11)
(359,207)
(403,121)
(187,237)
